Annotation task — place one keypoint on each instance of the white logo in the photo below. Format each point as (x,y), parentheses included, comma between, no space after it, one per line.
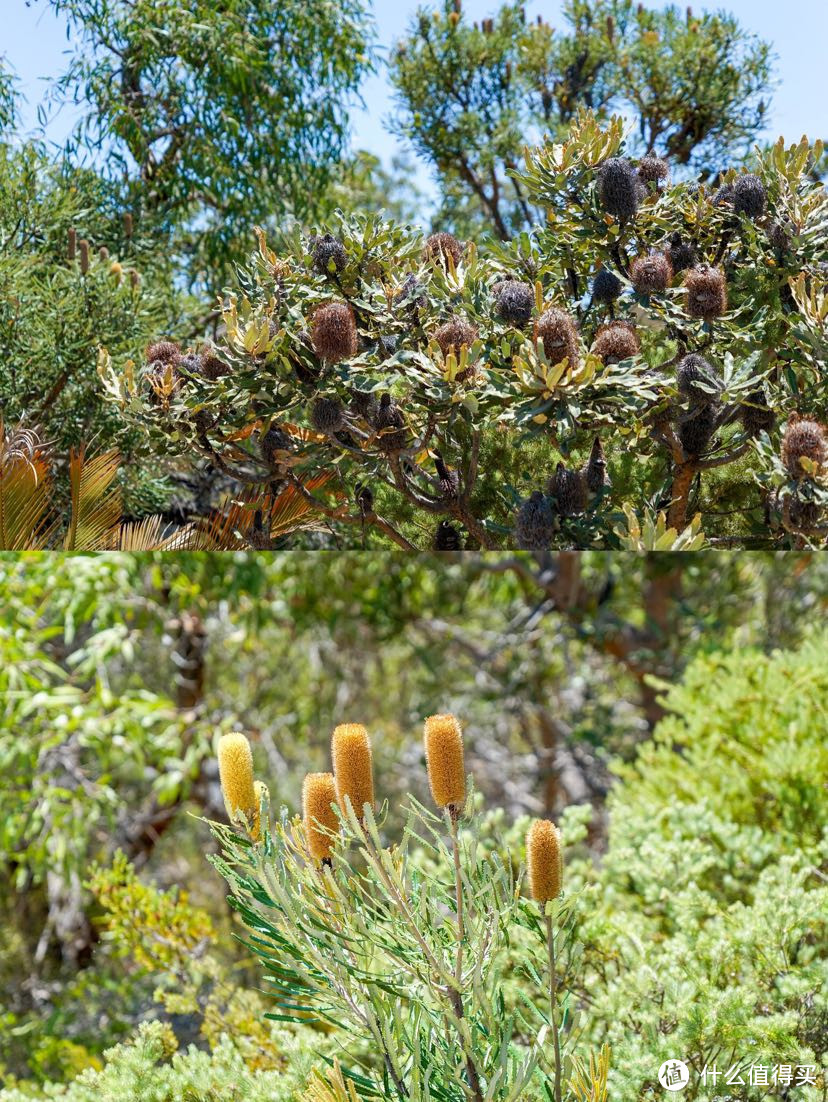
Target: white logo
(674,1075)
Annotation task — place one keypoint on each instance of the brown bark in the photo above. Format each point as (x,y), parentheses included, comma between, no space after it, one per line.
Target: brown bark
(683,475)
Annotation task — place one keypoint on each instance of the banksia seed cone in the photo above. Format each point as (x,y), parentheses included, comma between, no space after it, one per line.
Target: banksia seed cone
(353,768)
(364,404)
(569,491)
(804,439)
(440,246)
(619,188)
(274,441)
(534,524)
(616,341)
(129,224)
(443,740)
(83,246)
(334,332)
(390,425)
(449,480)
(318,798)
(326,415)
(650,275)
(454,334)
(235,760)
(706,292)
(515,301)
(410,295)
(364,498)
(757,417)
(544,861)
(692,370)
(556,330)
(606,287)
(72,243)
(165,352)
(212,367)
(681,254)
(595,472)
(695,428)
(749,196)
(328,254)
(653,169)
(447,537)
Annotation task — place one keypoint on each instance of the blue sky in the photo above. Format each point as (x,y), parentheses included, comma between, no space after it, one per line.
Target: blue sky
(34,41)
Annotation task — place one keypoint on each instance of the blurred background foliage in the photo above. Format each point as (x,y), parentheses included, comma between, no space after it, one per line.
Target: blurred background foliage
(117,674)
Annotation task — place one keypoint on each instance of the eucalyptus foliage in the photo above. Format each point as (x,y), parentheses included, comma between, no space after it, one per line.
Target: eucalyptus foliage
(440,407)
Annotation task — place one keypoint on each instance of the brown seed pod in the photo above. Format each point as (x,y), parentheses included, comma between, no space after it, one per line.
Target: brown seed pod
(556,330)
(318,798)
(569,490)
(544,861)
(706,292)
(650,275)
(165,352)
(443,740)
(390,425)
(534,523)
(454,334)
(653,169)
(804,439)
(353,767)
(440,246)
(447,537)
(334,332)
(616,341)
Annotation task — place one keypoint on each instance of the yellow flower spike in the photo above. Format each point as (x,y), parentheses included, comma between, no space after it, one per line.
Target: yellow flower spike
(544,861)
(443,740)
(318,798)
(235,760)
(352,765)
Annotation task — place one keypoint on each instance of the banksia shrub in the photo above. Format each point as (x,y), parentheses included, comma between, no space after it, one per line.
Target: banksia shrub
(443,740)
(334,332)
(515,302)
(329,254)
(321,822)
(650,275)
(619,188)
(454,334)
(440,246)
(804,439)
(555,329)
(534,524)
(748,196)
(706,292)
(606,287)
(353,767)
(616,341)
(544,860)
(235,760)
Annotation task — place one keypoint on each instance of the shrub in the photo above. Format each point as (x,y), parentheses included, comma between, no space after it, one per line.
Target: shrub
(421,349)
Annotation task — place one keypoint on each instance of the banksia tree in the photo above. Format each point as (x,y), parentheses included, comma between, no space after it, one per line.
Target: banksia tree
(353,767)
(522,350)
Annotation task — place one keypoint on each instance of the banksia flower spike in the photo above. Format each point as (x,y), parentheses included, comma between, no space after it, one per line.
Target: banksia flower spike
(544,862)
(83,247)
(749,196)
(235,760)
(353,767)
(443,740)
(515,301)
(328,254)
(454,334)
(804,439)
(706,292)
(556,330)
(650,275)
(440,246)
(653,169)
(165,352)
(606,287)
(619,188)
(334,332)
(326,415)
(260,791)
(681,253)
(616,341)
(321,822)
(534,523)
